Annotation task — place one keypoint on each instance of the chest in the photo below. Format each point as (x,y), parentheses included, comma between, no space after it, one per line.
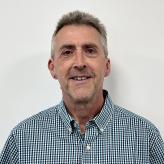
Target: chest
(112,146)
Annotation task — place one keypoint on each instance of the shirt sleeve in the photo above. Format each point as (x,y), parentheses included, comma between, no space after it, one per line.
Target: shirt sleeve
(157,150)
(9,154)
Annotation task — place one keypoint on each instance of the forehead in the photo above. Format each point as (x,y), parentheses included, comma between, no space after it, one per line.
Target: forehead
(77,35)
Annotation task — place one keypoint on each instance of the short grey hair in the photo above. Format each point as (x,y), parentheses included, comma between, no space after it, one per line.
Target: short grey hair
(81,18)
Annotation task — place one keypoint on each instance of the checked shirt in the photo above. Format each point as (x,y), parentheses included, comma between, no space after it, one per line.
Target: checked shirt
(115,136)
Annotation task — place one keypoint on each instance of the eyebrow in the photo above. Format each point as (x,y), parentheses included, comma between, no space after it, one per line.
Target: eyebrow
(67,46)
(90,45)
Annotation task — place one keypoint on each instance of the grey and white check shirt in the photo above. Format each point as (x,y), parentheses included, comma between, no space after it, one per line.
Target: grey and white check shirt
(115,136)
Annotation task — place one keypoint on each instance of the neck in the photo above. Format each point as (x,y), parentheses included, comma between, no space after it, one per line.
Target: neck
(84,112)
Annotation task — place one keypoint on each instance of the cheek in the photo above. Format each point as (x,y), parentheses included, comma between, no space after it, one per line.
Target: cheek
(100,69)
(62,74)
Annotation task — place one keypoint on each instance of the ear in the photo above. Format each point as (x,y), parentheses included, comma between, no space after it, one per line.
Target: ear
(107,70)
(51,67)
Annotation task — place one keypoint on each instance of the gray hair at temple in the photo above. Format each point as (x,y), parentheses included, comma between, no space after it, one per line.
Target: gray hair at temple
(81,18)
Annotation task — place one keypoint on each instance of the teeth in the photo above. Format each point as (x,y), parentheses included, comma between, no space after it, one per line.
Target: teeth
(80,78)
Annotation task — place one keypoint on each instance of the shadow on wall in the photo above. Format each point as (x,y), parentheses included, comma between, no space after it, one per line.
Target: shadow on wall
(117,83)
(26,73)
(111,82)
(28,81)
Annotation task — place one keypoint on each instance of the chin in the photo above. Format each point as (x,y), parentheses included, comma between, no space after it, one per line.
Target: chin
(82,97)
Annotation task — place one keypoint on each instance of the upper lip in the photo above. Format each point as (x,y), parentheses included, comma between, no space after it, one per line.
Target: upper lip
(81,74)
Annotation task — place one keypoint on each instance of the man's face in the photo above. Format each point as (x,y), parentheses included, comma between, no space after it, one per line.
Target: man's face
(79,63)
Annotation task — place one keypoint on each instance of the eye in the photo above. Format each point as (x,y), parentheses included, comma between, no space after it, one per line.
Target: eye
(90,51)
(66,53)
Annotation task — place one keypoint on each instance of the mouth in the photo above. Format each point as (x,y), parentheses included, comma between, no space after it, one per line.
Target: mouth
(80,78)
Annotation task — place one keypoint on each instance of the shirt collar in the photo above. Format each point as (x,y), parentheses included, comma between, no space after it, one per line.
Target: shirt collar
(101,120)
(66,118)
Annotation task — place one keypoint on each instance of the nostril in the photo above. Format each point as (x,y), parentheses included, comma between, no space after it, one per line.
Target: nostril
(80,67)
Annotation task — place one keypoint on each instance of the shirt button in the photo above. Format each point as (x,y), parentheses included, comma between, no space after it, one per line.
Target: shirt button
(70,130)
(88,147)
(101,129)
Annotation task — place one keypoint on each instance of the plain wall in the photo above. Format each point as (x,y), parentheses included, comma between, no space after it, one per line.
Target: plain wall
(136,49)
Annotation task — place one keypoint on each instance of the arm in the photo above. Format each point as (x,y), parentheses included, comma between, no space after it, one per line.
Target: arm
(157,150)
(9,154)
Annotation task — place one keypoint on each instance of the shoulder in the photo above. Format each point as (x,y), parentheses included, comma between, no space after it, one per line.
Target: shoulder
(129,126)
(41,120)
(135,121)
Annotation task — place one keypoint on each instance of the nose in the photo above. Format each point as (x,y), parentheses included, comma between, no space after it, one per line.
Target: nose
(79,62)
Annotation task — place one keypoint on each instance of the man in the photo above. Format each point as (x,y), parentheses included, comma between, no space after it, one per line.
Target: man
(86,127)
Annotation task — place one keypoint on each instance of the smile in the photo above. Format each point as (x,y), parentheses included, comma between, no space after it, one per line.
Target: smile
(80,78)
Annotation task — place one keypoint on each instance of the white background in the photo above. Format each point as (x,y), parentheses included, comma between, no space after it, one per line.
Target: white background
(136,48)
